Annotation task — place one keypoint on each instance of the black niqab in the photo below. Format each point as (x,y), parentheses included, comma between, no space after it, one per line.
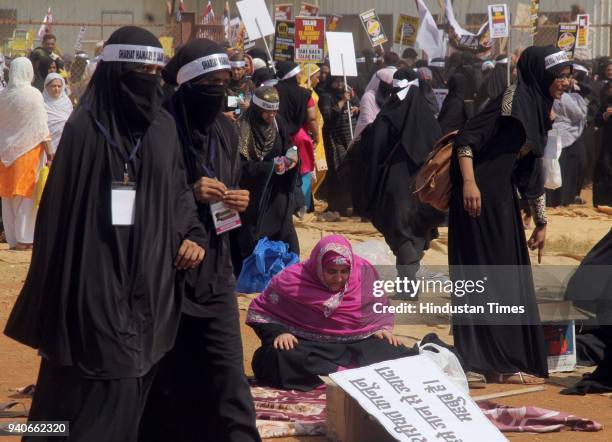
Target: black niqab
(531,103)
(293,98)
(101,298)
(453,113)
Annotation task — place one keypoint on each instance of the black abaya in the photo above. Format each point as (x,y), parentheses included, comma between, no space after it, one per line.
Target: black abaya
(496,238)
(300,368)
(387,174)
(453,113)
(571,161)
(591,288)
(272,199)
(602,176)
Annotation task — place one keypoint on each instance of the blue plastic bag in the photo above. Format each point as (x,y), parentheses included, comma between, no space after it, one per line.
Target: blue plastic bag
(268,259)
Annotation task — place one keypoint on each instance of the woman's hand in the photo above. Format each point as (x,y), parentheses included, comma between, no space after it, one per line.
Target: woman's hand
(286,341)
(471,198)
(207,190)
(237,200)
(537,240)
(190,255)
(390,337)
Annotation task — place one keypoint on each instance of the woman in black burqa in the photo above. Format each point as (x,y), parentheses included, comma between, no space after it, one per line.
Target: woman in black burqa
(453,113)
(390,152)
(497,152)
(590,288)
(99,302)
(263,144)
(202,378)
(602,175)
(337,139)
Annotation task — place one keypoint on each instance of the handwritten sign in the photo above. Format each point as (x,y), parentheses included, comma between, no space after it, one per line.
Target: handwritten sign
(310,39)
(415,401)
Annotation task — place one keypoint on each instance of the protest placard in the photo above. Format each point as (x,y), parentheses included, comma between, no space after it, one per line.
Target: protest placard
(373,27)
(310,39)
(283,11)
(341,53)
(308,10)
(256,19)
(333,21)
(566,38)
(583,31)
(406,30)
(413,400)
(498,21)
(284,40)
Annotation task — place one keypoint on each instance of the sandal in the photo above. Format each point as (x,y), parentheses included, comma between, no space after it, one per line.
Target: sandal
(518,378)
(475,380)
(6,412)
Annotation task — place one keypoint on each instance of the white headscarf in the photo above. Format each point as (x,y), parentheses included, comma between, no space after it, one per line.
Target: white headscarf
(58,109)
(23,119)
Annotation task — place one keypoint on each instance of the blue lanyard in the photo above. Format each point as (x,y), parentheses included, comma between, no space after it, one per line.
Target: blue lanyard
(109,139)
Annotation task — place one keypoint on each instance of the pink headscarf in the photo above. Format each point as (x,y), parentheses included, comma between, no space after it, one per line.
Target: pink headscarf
(298,299)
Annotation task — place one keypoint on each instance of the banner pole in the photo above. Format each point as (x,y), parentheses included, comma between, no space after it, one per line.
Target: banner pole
(509,67)
(266,45)
(348,103)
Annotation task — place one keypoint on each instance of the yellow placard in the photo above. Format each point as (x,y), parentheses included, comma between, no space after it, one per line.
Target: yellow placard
(410,25)
(167,43)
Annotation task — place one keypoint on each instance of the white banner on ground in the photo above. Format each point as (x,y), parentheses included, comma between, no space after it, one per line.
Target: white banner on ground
(256,18)
(341,51)
(414,401)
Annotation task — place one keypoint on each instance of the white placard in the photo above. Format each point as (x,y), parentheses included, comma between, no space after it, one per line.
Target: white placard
(254,12)
(414,400)
(498,21)
(341,48)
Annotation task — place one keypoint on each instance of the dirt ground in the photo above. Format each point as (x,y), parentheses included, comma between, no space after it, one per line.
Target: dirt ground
(571,233)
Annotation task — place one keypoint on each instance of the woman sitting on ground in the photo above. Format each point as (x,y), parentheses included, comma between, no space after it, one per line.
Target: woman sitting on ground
(320,316)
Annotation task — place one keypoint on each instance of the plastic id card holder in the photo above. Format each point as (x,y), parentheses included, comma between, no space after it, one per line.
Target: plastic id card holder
(224,218)
(123,199)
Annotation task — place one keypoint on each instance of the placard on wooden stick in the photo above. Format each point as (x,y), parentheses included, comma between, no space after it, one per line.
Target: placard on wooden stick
(341,48)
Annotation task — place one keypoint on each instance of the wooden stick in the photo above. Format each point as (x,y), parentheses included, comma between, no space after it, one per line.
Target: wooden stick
(486,397)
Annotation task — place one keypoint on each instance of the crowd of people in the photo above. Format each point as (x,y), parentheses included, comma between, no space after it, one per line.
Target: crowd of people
(130,297)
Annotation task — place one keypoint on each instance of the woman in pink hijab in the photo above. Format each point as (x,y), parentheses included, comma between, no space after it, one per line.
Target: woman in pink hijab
(319,316)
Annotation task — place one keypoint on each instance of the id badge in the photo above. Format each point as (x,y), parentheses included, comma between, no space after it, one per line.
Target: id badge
(123,199)
(224,218)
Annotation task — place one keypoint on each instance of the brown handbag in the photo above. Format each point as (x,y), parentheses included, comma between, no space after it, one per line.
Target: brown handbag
(432,182)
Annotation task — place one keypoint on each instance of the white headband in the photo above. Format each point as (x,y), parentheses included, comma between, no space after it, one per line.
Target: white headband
(237,64)
(292,73)
(579,67)
(555,59)
(437,64)
(402,94)
(266,105)
(272,82)
(201,66)
(133,54)
(502,61)
(400,83)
